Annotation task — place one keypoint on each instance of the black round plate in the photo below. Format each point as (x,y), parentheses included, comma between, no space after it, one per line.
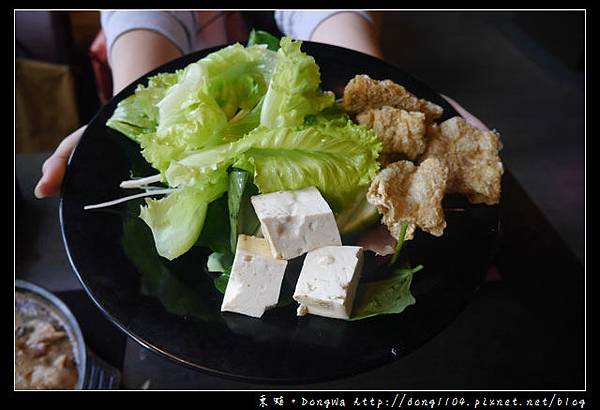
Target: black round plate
(172,307)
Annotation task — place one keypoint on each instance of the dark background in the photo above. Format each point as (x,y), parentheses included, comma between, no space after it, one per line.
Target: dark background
(521,73)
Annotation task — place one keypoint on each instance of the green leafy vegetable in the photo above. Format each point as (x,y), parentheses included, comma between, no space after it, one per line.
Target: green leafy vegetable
(211,91)
(242,218)
(237,77)
(205,166)
(176,220)
(219,262)
(211,102)
(333,114)
(399,243)
(243,122)
(137,114)
(404,271)
(294,91)
(339,160)
(215,234)
(257,111)
(391,295)
(221,282)
(158,153)
(157,279)
(262,37)
(359,216)
(188,116)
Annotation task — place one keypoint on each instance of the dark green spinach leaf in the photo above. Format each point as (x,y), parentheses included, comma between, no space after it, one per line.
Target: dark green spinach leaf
(262,37)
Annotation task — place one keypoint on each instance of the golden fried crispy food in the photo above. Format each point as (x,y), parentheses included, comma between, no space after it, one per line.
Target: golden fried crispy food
(471,155)
(400,131)
(362,93)
(406,193)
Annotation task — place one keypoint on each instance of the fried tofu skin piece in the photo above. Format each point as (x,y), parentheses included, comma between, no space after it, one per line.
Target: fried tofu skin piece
(363,93)
(406,193)
(471,155)
(401,132)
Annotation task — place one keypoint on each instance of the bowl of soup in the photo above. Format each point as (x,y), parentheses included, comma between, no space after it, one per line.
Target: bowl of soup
(50,352)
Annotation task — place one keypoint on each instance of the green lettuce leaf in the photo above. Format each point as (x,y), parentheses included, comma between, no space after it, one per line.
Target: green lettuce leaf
(137,114)
(187,116)
(159,153)
(237,77)
(294,91)
(204,166)
(331,115)
(213,101)
(262,37)
(177,220)
(338,160)
(251,108)
(220,262)
(243,122)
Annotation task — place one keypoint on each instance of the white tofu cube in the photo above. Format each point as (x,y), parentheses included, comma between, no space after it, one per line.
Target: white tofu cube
(328,281)
(255,280)
(295,222)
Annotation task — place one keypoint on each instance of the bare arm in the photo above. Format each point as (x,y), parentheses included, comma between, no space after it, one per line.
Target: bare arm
(350,30)
(133,54)
(137,52)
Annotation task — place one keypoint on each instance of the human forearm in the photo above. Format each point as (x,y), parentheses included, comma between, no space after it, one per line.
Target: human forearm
(136,52)
(349,30)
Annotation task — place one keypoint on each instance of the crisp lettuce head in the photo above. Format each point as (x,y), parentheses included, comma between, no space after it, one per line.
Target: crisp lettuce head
(211,102)
(237,77)
(224,85)
(250,108)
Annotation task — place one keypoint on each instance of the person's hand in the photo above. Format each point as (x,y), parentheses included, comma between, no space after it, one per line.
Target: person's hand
(53,170)
(470,118)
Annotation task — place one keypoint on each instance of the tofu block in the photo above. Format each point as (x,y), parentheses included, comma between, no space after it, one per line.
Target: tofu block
(295,222)
(328,281)
(255,280)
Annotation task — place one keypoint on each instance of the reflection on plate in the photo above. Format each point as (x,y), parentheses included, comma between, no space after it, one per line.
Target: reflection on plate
(173,308)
